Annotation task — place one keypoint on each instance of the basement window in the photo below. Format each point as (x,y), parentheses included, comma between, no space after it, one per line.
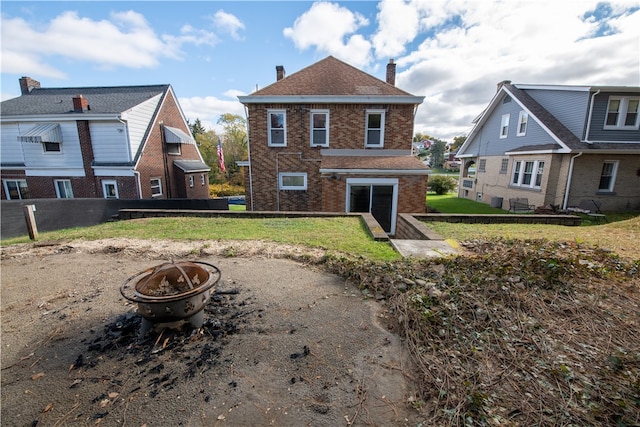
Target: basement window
(292,181)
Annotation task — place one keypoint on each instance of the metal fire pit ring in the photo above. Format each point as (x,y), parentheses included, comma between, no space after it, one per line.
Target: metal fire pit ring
(190,292)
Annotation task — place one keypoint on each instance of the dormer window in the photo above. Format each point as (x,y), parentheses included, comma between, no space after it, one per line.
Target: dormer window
(622,113)
(374,132)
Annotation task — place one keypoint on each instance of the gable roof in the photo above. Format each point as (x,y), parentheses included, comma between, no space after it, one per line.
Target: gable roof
(331,80)
(59,101)
(565,140)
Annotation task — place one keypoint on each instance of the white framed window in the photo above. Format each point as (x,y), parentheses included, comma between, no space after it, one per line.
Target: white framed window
(622,113)
(203,179)
(319,128)
(374,132)
(527,173)
(63,188)
(504,126)
(277,128)
(523,118)
(608,175)
(52,147)
(156,187)
(110,189)
(292,181)
(16,189)
(173,149)
(191,181)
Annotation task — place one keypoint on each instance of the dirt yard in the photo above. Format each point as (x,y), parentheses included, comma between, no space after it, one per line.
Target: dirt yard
(282,344)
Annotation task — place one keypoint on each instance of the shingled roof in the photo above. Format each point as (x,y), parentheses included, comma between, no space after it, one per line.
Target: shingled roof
(330,77)
(101,100)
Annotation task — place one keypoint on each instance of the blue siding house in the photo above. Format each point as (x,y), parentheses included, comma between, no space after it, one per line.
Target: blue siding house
(556,146)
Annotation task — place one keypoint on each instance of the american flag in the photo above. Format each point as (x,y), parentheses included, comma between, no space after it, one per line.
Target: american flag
(220,157)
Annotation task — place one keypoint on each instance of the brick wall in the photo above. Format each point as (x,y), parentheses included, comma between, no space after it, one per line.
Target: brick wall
(155,164)
(346,131)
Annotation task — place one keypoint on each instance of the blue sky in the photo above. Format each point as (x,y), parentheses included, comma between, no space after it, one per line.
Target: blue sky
(453,52)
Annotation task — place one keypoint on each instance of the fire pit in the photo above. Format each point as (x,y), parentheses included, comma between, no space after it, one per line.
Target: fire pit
(171,292)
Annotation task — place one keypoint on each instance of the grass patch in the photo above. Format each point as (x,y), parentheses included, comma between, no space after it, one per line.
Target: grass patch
(450,203)
(340,234)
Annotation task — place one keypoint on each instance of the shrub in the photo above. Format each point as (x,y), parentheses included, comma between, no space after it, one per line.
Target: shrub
(225,189)
(441,184)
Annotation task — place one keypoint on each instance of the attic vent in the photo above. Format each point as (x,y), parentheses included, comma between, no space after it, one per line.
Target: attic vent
(368,90)
(506,99)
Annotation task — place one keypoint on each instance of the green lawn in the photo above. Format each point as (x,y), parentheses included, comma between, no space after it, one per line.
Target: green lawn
(450,203)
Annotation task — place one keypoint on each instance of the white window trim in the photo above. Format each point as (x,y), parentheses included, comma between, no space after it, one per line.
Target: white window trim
(326,128)
(282,175)
(176,146)
(622,113)
(16,181)
(51,153)
(523,119)
(203,179)
(373,182)
(366,128)
(56,182)
(521,173)
(284,129)
(191,181)
(104,188)
(159,186)
(614,174)
(504,126)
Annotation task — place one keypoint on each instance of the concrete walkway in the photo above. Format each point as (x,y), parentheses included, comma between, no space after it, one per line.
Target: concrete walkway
(423,248)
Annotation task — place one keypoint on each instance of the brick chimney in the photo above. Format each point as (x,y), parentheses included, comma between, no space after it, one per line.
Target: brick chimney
(280,73)
(502,83)
(391,73)
(27,84)
(80,104)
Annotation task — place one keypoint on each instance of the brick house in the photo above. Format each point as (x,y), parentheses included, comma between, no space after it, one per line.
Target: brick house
(128,142)
(333,138)
(556,145)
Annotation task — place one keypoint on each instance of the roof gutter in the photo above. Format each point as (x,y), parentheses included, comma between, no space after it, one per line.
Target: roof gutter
(569,176)
(586,136)
(331,99)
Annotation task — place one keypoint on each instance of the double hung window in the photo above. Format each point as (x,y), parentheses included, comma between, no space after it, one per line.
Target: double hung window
(277,128)
(156,187)
(374,132)
(523,118)
(504,126)
(622,113)
(527,174)
(608,175)
(319,128)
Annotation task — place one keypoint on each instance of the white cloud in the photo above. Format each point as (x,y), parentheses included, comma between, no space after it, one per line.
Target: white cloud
(209,109)
(479,43)
(125,40)
(331,29)
(228,23)
(398,24)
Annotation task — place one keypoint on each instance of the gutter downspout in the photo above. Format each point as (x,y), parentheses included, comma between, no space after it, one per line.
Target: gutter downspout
(246,114)
(569,176)
(586,136)
(137,175)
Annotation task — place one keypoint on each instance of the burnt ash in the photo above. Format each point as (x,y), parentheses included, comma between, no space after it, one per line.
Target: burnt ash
(166,355)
